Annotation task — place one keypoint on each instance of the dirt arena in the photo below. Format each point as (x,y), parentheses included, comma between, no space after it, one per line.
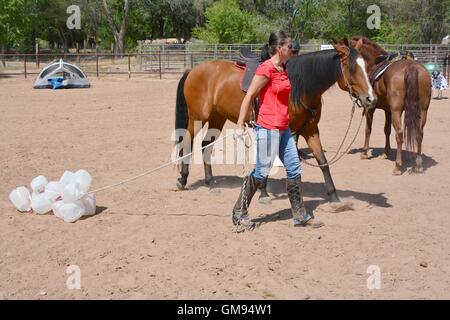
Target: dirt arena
(150,241)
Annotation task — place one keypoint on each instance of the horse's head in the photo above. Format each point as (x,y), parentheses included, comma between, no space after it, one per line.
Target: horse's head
(354,77)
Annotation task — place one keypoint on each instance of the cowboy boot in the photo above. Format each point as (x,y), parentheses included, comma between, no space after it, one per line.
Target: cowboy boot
(300,217)
(240,210)
(264,196)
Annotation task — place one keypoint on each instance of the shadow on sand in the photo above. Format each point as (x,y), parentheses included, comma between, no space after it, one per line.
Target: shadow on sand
(277,191)
(408,158)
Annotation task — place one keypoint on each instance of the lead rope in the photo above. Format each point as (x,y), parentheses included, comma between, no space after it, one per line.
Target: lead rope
(157,168)
(245,171)
(338,154)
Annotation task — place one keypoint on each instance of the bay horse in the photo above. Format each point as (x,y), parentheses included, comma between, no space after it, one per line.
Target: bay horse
(211,93)
(404,86)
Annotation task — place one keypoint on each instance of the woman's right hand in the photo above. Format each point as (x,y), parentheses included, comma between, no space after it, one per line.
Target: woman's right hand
(239,131)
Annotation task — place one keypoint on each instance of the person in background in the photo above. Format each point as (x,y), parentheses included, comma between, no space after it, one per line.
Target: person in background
(295,48)
(439,83)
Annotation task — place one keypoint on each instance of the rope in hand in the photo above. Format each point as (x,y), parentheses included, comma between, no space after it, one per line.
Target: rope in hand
(245,137)
(245,171)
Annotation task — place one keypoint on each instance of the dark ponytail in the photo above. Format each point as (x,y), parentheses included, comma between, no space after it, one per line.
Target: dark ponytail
(265,55)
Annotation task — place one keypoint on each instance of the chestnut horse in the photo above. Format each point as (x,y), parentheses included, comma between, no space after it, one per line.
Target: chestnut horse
(404,86)
(211,93)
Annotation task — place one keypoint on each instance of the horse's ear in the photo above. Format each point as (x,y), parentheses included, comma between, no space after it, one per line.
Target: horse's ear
(341,49)
(359,44)
(346,42)
(334,41)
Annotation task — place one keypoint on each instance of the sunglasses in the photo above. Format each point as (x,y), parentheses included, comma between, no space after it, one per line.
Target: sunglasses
(289,47)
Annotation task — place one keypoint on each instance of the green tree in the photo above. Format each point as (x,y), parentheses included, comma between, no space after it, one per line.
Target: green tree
(14,23)
(413,21)
(51,23)
(227,23)
(432,21)
(170,18)
(118,22)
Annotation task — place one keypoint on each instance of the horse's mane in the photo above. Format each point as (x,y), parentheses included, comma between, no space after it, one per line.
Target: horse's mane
(313,73)
(370,49)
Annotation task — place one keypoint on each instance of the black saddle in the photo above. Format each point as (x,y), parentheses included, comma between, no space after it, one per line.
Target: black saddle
(383,62)
(392,55)
(247,54)
(251,61)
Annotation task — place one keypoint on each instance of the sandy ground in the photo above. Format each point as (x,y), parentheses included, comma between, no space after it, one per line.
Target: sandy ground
(149,241)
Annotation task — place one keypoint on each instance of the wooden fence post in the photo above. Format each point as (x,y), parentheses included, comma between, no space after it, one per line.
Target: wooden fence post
(113,54)
(25,65)
(129,66)
(163,56)
(78,54)
(96,60)
(37,54)
(140,55)
(160,69)
(2,51)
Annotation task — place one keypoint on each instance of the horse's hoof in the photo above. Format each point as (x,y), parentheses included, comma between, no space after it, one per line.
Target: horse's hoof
(397,172)
(415,170)
(364,156)
(214,190)
(181,186)
(265,200)
(385,156)
(243,223)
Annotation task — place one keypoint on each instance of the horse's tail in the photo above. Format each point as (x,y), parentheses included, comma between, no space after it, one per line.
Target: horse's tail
(181,116)
(412,108)
(181,109)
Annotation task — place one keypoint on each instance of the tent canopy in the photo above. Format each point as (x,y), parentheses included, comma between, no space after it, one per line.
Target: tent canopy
(61,74)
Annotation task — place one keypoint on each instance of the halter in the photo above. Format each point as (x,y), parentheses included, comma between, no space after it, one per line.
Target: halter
(355,100)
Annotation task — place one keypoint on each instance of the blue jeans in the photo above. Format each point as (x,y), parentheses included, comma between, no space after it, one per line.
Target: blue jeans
(269,144)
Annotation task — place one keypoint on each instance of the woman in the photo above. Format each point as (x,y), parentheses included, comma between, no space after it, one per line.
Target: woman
(272,133)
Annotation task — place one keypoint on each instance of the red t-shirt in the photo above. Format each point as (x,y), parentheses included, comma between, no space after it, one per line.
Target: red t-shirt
(274,97)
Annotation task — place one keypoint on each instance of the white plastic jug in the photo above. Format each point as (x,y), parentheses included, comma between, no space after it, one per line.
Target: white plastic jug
(84,179)
(21,199)
(56,207)
(71,212)
(40,203)
(89,204)
(72,192)
(66,178)
(38,184)
(53,191)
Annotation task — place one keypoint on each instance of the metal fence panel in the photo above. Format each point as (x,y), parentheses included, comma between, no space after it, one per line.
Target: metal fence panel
(176,58)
